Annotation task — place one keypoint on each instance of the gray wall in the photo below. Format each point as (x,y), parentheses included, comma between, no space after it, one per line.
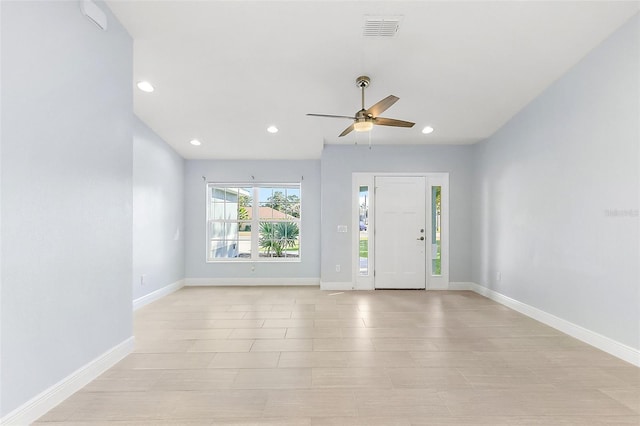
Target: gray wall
(338,164)
(66,194)
(229,171)
(546,185)
(158,206)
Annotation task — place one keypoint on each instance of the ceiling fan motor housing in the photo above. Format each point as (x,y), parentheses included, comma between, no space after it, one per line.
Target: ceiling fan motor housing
(362,115)
(363,81)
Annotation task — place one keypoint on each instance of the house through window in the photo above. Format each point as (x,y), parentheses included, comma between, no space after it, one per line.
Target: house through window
(253,222)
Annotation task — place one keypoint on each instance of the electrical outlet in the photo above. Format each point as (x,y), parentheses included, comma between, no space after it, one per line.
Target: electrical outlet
(143,279)
(499,276)
(337,268)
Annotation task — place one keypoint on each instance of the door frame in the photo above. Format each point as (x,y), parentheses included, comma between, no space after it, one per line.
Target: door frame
(367,282)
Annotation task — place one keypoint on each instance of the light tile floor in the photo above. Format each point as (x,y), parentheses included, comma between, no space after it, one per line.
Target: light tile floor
(300,356)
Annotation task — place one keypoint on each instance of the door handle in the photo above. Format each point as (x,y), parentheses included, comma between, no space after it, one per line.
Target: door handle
(421,238)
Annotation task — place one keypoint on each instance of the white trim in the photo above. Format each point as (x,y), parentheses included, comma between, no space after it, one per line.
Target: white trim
(39,405)
(361,282)
(341,286)
(345,286)
(461,285)
(606,344)
(439,282)
(438,286)
(250,281)
(157,294)
(366,286)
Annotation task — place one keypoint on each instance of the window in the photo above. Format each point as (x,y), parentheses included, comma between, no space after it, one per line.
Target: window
(253,222)
(363,238)
(436,219)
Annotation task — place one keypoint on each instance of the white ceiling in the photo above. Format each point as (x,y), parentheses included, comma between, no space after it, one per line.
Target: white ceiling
(226,70)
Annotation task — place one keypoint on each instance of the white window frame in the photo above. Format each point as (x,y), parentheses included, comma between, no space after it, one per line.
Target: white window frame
(255,222)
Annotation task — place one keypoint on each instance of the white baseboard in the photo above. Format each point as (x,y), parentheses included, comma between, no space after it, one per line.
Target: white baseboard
(460,285)
(357,286)
(615,348)
(345,286)
(443,286)
(39,405)
(158,294)
(250,281)
(340,286)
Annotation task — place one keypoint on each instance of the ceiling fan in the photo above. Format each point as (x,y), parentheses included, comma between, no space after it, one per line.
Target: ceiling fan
(364,119)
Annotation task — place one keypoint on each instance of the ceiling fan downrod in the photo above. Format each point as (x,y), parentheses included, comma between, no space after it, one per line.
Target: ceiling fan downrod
(362,82)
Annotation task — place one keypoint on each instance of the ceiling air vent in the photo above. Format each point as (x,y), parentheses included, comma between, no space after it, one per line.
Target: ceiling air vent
(381,26)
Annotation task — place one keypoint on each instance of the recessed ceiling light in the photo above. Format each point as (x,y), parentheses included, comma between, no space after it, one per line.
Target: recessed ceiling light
(145,86)
(195,142)
(427,130)
(272,129)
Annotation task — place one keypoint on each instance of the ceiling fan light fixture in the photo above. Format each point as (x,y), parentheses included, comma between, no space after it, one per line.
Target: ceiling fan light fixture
(363,126)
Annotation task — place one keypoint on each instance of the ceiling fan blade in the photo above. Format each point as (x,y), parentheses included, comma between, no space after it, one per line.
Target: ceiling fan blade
(382,106)
(331,116)
(347,130)
(381,121)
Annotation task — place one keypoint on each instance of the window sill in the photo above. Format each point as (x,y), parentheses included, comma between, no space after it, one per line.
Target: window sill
(266,260)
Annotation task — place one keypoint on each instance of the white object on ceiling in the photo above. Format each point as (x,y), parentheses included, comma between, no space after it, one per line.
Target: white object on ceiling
(145,86)
(222,69)
(94,13)
(381,26)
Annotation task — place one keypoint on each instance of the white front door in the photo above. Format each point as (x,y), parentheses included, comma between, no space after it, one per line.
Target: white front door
(400,232)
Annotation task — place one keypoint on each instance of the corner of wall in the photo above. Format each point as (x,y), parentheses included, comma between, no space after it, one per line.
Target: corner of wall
(157,295)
